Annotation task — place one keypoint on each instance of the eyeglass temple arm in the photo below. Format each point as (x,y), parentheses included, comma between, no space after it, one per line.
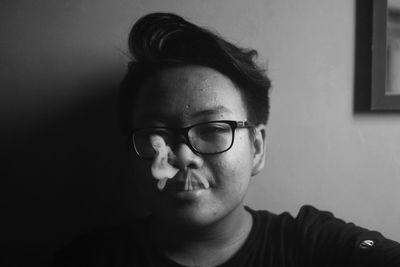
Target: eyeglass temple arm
(244,124)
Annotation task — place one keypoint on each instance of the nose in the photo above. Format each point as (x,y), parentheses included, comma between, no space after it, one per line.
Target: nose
(186,158)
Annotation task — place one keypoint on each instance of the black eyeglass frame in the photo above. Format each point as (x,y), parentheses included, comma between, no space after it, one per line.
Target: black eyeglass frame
(185,132)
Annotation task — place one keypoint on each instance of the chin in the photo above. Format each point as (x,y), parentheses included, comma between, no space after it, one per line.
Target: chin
(189,216)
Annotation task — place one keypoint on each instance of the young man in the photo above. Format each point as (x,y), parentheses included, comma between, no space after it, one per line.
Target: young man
(194,108)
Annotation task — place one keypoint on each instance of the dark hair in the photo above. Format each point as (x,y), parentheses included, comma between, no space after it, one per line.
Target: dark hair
(162,40)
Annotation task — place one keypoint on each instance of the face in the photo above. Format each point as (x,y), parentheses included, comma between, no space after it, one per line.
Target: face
(180,97)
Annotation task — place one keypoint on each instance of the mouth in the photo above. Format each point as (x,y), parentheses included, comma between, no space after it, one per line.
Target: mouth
(187,183)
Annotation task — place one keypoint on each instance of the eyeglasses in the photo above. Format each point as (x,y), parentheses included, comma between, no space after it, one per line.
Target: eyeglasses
(207,138)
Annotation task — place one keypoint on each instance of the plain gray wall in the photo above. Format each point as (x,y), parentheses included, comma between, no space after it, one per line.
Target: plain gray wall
(60,65)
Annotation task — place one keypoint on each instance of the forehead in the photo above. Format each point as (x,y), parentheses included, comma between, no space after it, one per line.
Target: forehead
(185,93)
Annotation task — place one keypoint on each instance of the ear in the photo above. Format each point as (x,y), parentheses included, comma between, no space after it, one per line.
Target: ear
(259,147)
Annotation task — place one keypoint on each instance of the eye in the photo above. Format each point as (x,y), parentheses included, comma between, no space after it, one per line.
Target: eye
(217,127)
(161,132)
(212,129)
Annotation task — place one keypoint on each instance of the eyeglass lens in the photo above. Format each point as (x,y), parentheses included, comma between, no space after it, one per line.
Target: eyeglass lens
(207,138)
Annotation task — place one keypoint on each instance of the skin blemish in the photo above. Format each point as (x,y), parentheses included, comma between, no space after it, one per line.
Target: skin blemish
(160,168)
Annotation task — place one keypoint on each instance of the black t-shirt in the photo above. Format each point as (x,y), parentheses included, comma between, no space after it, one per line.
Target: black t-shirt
(313,238)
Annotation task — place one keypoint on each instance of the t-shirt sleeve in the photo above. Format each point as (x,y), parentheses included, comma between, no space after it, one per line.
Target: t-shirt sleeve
(324,240)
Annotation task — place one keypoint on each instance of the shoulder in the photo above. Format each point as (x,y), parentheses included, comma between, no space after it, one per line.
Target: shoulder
(311,221)
(317,237)
(361,245)
(103,246)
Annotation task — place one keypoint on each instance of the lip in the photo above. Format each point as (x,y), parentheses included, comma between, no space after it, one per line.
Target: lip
(187,185)
(187,194)
(180,186)
(177,189)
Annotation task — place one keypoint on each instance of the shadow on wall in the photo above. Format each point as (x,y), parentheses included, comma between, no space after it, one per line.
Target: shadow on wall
(64,177)
(62,155)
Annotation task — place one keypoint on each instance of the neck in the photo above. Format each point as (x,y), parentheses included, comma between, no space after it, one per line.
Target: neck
(209,245)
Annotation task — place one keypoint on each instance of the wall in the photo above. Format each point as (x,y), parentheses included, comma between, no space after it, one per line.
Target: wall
(61,62)
(322,150)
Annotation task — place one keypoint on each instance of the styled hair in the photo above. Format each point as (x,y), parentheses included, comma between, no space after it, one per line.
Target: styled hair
(163,40)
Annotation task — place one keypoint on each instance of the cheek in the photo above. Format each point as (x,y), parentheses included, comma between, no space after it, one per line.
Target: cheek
(233,168)
(140,166)
(241,152)
(144,183)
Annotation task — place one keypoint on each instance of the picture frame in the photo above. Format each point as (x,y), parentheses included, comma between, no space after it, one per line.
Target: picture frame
(385,88)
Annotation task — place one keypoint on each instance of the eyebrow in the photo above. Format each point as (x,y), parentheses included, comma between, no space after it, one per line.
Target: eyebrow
(202,113)
(212,111)
(154,115)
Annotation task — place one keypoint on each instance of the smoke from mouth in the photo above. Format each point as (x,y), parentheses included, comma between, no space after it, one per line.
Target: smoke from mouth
(162,170)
